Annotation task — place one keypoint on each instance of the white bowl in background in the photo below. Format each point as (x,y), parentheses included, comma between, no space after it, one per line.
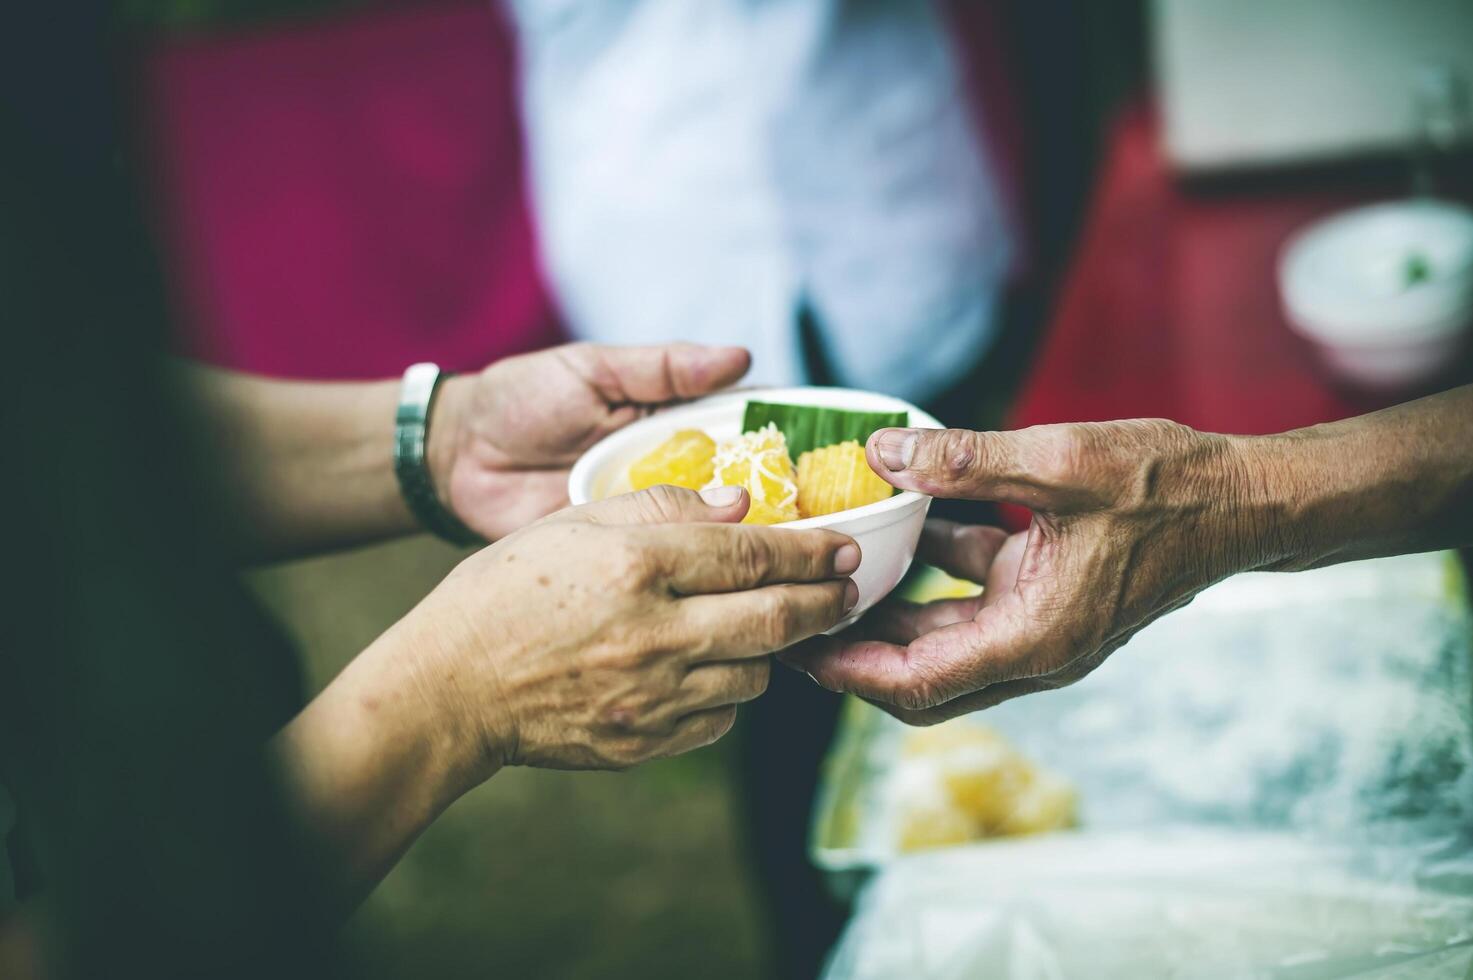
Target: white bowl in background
(1346,287)
(887,532)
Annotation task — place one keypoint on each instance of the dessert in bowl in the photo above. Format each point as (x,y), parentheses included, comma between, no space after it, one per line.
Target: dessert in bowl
(797,451)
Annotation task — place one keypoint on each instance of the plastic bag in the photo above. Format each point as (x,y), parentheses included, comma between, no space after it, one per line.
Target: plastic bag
(1276,781)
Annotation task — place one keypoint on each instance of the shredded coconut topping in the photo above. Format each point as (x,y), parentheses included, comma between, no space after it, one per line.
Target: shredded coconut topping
(764,450)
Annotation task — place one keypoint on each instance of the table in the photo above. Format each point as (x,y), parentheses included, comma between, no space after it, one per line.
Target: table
(1170,306)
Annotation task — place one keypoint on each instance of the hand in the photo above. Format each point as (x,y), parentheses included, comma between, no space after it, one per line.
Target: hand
(621,631)
(502,441)
(1130,520)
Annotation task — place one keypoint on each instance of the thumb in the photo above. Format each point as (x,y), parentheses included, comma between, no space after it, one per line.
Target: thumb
(663,505)
(959,463)
(669,372)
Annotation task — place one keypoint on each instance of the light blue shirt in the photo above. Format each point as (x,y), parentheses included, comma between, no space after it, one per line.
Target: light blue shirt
(701,169)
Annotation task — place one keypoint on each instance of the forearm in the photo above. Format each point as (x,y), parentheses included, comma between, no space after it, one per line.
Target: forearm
(1392,482)
(302,466)
(369,764)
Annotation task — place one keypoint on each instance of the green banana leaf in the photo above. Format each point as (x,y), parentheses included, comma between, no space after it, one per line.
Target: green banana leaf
(813,427)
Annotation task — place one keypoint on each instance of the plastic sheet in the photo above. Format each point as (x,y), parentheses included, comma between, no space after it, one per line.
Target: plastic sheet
(1276,781)
(1178,905)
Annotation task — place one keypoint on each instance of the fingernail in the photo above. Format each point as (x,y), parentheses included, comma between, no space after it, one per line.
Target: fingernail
(846,559)
(851,595)
(896,448)
(721,496)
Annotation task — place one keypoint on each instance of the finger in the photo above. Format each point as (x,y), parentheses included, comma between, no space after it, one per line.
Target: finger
(1014,467)
(901,622)
(898,621)
(1001,643)
(967,704)
(936,666)
(761,621)
(868,668)
(965,551)
(706,558)
(1007,564)
(894,622)
(667,372)
(663,505)
(995,694)
(697,730)
(712,685)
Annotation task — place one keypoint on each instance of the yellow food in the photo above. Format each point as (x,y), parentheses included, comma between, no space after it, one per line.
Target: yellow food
(760,462)
(940,825)
(686,459)
(837,478)
(965,782)
(825,481)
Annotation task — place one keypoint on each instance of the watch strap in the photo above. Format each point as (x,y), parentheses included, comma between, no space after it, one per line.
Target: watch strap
(411,432)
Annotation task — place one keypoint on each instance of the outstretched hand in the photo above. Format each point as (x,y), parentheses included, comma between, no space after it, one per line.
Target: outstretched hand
(1130,520)
(502,441)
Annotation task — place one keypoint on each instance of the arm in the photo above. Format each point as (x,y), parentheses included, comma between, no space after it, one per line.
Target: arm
(671,630)
(303,466)
(1395,481)
(1130,520)
(307,466)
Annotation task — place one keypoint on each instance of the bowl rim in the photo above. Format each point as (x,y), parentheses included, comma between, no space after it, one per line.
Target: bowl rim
(580,478)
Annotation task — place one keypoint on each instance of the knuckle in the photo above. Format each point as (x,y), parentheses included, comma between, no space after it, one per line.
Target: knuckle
(664,504)
(778,619)
(753,556)
(810,554)
(916,696)
(631,565)
(622,716)
(625,753)
(1055,456)
(696,645)
(955,455)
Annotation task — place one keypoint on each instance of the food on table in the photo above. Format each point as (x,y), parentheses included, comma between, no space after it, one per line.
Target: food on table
(759,461)
(683,460)
(831,474)
(837,478)
(962,781)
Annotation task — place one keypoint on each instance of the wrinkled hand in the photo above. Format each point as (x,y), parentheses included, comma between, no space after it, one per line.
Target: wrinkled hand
(502,441)
(622,630)
(1130,520)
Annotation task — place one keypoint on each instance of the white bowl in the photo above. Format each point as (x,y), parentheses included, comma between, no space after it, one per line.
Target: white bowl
(1344,286)
(886,532)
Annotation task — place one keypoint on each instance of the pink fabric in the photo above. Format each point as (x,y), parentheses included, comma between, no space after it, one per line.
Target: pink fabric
(343,197)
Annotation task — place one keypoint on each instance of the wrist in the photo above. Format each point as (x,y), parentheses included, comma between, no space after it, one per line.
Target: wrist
(462,709)
(444,434)
(1270,502)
